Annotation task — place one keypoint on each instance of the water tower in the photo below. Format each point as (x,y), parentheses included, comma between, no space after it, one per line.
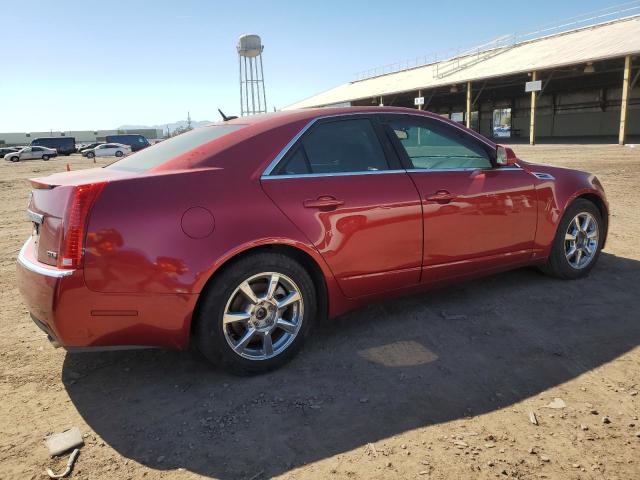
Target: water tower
(252,94)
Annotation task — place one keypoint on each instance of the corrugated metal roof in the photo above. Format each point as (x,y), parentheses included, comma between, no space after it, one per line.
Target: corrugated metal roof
(598,42)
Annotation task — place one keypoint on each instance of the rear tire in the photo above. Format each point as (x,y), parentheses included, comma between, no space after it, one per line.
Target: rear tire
(119,154)
(577,243)
(257,330)
(91,155)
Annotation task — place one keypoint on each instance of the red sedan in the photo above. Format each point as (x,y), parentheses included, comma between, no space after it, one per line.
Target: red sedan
(239,236)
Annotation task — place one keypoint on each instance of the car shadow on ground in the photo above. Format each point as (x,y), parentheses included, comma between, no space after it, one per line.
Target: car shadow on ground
(380,371)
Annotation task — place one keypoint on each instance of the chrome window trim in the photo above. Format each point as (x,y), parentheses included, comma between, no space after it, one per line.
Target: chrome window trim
(334,174)
(36,268)
(465,169)
(287,147)
(266,174)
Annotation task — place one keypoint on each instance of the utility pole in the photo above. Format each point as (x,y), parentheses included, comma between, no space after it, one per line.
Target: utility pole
(468,109)
(625,100)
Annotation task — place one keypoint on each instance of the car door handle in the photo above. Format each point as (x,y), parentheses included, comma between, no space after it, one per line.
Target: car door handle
(441,196)
(325,202)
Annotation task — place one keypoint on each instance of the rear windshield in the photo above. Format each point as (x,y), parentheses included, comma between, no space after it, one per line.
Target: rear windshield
(168,149)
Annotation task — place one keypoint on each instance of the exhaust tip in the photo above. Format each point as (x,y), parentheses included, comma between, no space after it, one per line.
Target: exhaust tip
(53,341)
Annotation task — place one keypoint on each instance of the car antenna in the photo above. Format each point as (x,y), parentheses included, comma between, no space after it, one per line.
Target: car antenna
(225,118)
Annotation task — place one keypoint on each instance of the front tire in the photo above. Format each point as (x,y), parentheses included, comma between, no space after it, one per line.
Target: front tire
(119,154)
(256,314)
(45,157)
(578,242)
(15,159)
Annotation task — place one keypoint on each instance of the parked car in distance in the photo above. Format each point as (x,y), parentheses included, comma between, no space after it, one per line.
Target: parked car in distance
(87,146)
(31,153)
(63,145)
(107,150)
(135,141)
(239,236)
(5,150)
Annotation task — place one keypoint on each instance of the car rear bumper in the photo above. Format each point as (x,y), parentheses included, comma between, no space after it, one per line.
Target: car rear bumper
(73,316)
(45,328)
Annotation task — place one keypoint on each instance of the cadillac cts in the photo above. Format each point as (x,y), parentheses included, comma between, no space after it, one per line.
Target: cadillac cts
(239,236)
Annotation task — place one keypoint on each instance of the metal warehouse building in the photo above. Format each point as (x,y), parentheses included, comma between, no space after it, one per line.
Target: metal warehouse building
(584,85)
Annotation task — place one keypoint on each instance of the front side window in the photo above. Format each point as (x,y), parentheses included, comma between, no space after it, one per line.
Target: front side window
(433,145)
(343,146)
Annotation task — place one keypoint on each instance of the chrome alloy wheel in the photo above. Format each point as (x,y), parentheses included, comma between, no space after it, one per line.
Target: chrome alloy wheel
(263,316)
(581,240)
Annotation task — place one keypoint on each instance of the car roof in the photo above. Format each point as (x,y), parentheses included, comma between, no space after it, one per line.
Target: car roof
(275,119)
(267,121)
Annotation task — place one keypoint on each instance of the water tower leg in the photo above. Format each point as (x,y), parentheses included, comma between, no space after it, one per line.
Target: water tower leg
(258,79)
(240,73)
(264,94)
(246,87)
(251,81)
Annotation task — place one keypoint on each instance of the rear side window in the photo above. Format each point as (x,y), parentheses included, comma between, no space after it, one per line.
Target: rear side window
(166,150)
(434,145)
(343,146)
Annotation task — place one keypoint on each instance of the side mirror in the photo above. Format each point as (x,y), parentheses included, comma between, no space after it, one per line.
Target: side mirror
(505,157)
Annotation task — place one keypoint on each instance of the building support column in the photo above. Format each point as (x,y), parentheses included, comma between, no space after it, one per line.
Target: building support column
(468,123)
(532,120)
(625,100)
(419,95)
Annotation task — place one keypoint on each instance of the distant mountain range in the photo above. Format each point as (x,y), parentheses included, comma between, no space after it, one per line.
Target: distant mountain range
(171,126)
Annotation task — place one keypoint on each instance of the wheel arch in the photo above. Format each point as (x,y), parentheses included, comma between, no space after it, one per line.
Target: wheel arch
(600,204)
(307,260)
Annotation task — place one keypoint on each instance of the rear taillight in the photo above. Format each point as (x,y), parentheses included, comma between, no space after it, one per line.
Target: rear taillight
(75,222)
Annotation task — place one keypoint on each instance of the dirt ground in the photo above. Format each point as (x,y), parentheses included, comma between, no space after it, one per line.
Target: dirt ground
(437,385)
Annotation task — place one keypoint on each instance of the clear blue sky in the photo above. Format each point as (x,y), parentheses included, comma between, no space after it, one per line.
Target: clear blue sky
(96,64)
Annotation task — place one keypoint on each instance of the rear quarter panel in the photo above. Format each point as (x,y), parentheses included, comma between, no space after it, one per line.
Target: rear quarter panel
(136,243)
